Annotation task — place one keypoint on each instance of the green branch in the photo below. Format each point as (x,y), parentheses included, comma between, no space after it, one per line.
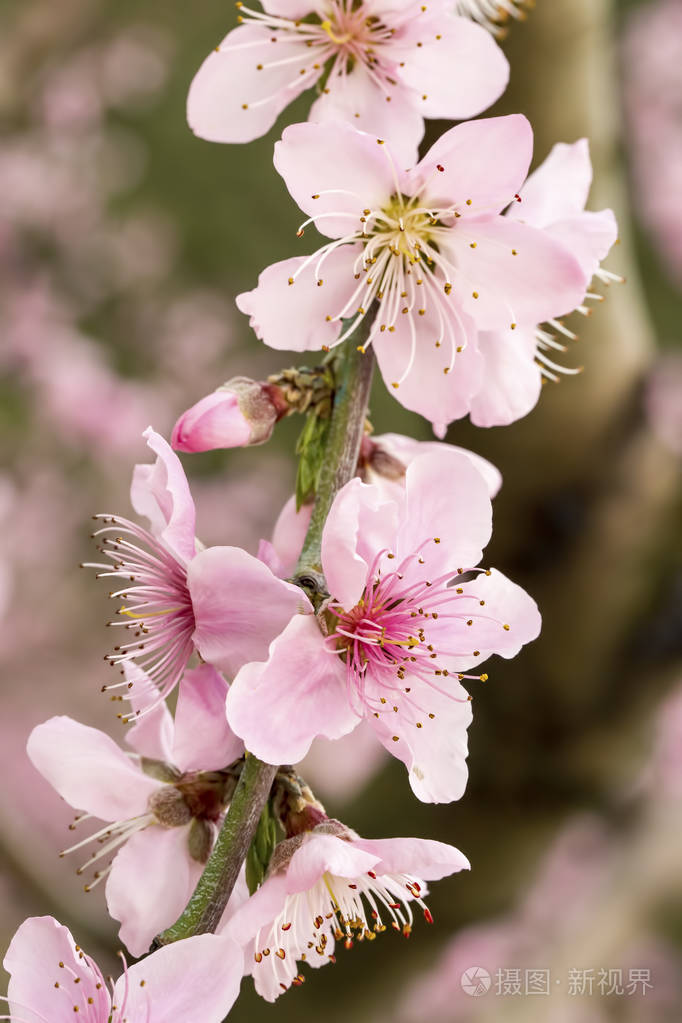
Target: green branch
(207,904)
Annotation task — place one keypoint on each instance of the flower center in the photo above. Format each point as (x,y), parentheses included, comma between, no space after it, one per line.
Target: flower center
(403,228)
(336,909)
(354,33)
(393,639)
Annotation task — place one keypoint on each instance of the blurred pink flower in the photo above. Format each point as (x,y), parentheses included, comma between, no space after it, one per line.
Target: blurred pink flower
(429,248)
(663,400)
(652,77)
(390,65)
(330,885)
(663,774)
(339,769)
(52,978)
(403,634)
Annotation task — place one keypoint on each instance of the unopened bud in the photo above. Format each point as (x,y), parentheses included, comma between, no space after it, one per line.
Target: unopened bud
(240,413)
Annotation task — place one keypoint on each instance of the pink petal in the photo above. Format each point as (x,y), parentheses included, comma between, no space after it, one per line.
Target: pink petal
(541,281)
(161,493)
(280,706)
(152,733)
(194,981)
(511,382)
(485,161)
(299,316)
(406,449)
(431,378)
(230,80)
(435,754)
(289,533)
(239,606)
(33,959)
(356,99)
(559,188)
(150,884)
(424,857)
(256,912)
(506,603)
(359,525)
(588,237)
(88,770)
(446,499)
(322,854)
(203,739)
(356,176)
(455,67)
(293,9)
(216,421)
(269,556)
(339,769)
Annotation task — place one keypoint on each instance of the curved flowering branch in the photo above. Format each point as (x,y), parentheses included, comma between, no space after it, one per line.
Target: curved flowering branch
(205,908)
(353,384)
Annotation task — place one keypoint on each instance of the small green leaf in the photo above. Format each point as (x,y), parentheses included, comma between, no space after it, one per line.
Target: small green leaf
(261,849)
(311,451)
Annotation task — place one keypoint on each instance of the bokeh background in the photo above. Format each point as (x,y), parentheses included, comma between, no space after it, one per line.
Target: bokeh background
(123,241)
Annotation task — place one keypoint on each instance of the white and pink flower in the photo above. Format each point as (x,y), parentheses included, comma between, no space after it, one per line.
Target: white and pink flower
(163,803)
(409,614)
(426,255)
(218,601)
(382,66)
(330,885)
(53,979)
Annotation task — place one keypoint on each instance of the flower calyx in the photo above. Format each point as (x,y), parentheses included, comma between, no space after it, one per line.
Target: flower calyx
(303,390)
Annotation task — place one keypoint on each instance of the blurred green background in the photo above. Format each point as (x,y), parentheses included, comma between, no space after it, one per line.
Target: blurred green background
(123,241)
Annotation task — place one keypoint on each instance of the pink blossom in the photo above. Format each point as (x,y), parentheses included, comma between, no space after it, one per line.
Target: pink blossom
(552,199)
(663,400)
(383,462)
(429,249)
(651,62)
(240,413)
(330,885)
(409,613)
(220,601)
(663,774)
(53,979)
(163,803)
(389,66)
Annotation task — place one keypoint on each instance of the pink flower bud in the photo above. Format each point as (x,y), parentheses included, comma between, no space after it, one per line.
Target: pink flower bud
(239,413)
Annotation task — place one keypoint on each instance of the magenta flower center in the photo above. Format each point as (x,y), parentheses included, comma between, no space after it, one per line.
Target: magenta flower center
(405,629)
